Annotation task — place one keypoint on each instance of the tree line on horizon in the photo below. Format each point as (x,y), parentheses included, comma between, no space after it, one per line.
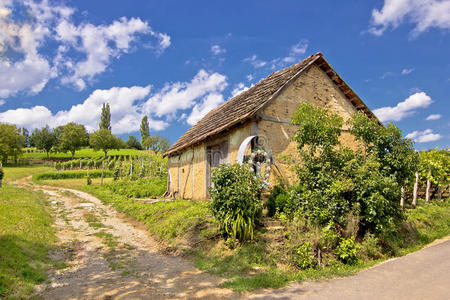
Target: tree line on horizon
(72,137)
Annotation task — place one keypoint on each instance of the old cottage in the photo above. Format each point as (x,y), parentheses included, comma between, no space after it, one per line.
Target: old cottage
(258,117)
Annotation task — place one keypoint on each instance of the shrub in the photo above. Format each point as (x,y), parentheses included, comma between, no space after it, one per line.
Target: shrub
(236,201)
(88,180)
(371,246)
(305,256)
(116,173)
(152,187)
(278,200)
(347,251)
(329,237)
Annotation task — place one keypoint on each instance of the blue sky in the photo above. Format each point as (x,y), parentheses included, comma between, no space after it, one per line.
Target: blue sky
(176,60)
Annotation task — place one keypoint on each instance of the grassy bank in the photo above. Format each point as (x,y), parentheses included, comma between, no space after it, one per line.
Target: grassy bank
(26,235)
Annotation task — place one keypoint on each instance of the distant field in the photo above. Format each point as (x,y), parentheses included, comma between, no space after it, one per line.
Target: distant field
(14,173)
(83,153)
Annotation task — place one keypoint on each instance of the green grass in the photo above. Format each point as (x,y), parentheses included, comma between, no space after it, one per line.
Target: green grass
(84,153)
(15,173)
(107,238)
(93,221)
(73,183)
(26,235)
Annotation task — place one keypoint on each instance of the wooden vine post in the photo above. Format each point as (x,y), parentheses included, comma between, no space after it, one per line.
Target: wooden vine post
(427,195)
(402,198)
(416,187)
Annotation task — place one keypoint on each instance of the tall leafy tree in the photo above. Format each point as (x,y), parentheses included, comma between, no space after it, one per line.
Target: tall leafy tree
(104,140)
(145,129)
(11,142)
(44,139)
(156,143)
(105,117)
(133,143)
(72,137)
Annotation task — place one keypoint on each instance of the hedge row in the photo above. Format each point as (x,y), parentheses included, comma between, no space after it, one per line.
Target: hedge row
(74,174)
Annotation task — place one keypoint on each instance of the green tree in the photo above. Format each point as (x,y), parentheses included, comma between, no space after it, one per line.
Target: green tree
(145,129)
(44,139)
(104,140)
(133,143)
(334,180)
(72,137)
(11,142)
(156,143)
(434,166)
(105,117)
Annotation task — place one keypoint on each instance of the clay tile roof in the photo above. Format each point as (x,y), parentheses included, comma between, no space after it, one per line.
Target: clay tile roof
(249,102)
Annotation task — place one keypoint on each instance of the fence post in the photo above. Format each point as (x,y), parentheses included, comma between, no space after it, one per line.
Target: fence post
(402,198)
(416,187)
(427,195)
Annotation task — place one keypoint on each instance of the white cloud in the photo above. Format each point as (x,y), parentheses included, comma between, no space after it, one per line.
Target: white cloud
(433,117)
(403,109)
(126,112)
(209,102)
(182,95)
(216,50)
(255,61)
(239,88)
(2,102)
(83,51)
(407,71)
(249,77)
(295,52)
(424,136)
(424,14)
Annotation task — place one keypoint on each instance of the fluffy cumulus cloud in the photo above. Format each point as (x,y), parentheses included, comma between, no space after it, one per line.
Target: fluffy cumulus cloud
(84,50)
(424,136)
(424,14)
(192,99)
(434,117)
(178,96)
(239,88)
(403,109)
(126,112)
(199,110)
(2,102)
(216,50)
(255,61)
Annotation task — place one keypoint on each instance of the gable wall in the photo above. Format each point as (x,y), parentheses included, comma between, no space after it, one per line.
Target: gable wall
(313,86)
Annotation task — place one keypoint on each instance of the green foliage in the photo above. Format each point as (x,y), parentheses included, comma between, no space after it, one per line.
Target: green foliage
(105,118)
(44,139)
(116,173)
(2,173)
(329,237)
(371,246)
(305,256)
(71,137)
(133,143)
(145,129)
(153,187)
(236,200)
(88,180)
(104,140)
(156,143)
(279,201)
(11,142)
(72,174)
(435,165)
(334,180)
(347,251)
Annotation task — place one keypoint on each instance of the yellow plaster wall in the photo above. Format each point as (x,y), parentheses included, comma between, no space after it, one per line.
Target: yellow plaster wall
(314,87)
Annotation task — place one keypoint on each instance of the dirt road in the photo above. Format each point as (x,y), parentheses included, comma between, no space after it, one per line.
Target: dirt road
(111,258)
